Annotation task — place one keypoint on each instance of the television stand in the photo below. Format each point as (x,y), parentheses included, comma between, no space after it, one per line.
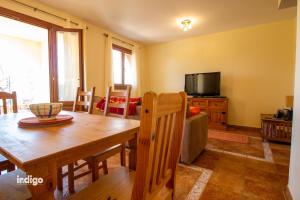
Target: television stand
(210,97)
(216,108)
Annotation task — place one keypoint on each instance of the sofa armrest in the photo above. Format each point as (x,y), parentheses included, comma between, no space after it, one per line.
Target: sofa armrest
(194,138)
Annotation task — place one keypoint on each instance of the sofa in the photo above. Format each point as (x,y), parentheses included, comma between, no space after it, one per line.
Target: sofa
(194,138)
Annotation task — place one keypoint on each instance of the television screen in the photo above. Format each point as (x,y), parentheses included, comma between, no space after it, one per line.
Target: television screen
(203,84)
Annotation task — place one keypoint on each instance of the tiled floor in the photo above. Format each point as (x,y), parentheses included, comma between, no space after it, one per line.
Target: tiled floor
(233,176)
(237,177)
(253,148)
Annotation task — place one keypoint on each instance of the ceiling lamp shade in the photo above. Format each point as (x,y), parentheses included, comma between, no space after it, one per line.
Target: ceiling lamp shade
(186,25)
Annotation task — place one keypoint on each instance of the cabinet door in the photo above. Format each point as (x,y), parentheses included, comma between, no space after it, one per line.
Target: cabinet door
(216,116)
(217,119)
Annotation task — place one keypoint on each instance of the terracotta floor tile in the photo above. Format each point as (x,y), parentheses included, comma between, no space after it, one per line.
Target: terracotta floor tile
(261,165)
(229,181)
(244,132)
(207,160)
(236,177)
(214,192)
(262,176)
(229,166)
(262,190)
(254,148)
(282,169)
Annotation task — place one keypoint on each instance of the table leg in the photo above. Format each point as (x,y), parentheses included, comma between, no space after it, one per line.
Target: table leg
(132,152)
(48,173)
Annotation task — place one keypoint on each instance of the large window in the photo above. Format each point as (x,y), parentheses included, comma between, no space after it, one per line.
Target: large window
(24,61)
(122,66)
(41,61)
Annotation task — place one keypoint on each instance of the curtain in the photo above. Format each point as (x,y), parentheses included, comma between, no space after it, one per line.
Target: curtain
(68,65)
(136,70)
(108,69)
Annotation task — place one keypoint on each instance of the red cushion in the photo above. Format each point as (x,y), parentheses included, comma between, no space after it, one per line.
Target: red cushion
(132,105)
(194,110)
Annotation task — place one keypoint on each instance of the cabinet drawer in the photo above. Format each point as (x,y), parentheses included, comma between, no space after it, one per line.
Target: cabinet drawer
(201,104)
(217,104)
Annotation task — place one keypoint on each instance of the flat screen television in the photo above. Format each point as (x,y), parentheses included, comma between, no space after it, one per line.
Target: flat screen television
(203,84)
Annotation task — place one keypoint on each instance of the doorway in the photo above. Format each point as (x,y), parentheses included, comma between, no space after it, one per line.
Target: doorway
(41,61)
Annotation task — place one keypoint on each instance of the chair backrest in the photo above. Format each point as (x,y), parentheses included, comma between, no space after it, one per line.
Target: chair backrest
(84,99)
(4,96)
(125,94)
(159,143)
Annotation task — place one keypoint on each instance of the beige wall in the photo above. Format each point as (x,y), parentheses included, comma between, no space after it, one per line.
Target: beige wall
(256,63)
(94,40)
(294,175)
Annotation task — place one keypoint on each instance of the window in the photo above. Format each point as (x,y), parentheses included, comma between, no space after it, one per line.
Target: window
(28,75)
(49,65)
(122,66)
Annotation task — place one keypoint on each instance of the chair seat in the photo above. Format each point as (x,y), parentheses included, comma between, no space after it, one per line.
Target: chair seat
(107,153)
(10,190)
(118,184)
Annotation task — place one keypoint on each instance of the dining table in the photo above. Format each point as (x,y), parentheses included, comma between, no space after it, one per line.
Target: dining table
(39,151)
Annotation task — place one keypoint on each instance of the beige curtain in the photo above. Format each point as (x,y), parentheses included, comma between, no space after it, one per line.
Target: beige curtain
(136,70)
(108,69)
(68,65)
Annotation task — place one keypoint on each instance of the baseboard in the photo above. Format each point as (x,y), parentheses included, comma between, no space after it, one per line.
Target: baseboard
(287,193)
(244,128)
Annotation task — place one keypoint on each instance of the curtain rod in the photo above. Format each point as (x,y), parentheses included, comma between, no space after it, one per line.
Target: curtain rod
(43,11)
(106,35)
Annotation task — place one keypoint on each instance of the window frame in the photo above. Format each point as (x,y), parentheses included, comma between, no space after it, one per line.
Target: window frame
(52,29)
(123,51)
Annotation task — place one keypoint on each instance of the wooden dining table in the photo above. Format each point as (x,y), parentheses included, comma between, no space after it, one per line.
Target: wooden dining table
(40,151)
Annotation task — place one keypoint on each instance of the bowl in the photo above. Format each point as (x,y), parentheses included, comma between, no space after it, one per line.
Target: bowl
(46,111)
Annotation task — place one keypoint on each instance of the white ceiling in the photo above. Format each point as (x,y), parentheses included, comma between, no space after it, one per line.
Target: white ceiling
(152,21)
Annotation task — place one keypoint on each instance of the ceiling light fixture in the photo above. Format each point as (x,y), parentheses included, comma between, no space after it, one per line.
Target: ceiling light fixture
(186,25)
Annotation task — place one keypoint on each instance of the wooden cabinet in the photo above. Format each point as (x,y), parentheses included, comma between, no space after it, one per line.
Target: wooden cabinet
(275,129)
(216,109)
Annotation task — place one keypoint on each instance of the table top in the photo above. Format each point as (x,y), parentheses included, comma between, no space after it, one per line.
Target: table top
(25,145)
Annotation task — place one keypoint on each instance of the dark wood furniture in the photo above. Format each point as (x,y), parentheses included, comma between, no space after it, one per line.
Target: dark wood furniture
(159,142)
(216,109)
(48,148)
(275,129)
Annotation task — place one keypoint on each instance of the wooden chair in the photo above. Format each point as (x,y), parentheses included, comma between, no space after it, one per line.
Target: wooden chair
(124,105)
(4,163)
(159,141)
(103,156)
(81,100)
(13,96)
